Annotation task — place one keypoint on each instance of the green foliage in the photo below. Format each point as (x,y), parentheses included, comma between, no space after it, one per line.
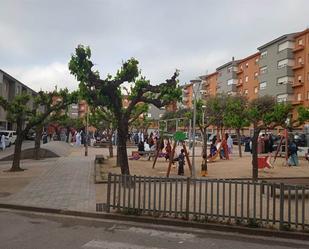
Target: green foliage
(236,115)
(303,114)
(265,112)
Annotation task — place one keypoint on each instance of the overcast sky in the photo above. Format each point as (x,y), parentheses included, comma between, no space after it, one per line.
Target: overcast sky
(37,37)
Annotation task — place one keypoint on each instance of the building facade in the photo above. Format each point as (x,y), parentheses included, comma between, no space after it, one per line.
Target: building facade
(280,68)
(9,88)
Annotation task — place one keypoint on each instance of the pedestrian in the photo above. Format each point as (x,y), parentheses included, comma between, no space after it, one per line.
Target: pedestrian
(230,144)
(168,150)
(292,153)
(181,162)
(3,141)
(78,139)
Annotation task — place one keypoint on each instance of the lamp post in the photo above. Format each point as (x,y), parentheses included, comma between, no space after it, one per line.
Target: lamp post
(86,139)
(196,81)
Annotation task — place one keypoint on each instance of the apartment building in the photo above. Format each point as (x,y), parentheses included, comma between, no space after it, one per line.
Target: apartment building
(276,68)
(209,85)
(247,76)
(280,68)
(301,69)
(187,96)
(9,88)
(227,77)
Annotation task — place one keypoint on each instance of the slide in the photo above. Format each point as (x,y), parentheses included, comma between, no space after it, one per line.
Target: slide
(214,157)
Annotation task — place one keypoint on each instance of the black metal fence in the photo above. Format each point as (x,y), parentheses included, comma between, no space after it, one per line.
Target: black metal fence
(256,203)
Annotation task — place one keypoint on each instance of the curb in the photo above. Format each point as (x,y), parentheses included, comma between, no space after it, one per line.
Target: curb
(165,221)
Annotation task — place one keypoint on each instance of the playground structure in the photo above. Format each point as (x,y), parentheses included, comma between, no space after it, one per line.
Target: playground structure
(179,137)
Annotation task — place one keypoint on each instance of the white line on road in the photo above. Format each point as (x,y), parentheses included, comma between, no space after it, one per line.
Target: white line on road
(114,245)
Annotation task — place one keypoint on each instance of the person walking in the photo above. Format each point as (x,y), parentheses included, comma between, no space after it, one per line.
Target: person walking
(3,142)
(230,144)
(181,162)
(292,152)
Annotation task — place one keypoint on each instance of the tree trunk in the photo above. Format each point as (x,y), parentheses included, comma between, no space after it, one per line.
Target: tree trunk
(110,144)
(17,150)
(37,142)
(204,153)
(255,153)
(239,142)
(122,155)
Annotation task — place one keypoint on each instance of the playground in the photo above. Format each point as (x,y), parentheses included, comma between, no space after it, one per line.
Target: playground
(235,167)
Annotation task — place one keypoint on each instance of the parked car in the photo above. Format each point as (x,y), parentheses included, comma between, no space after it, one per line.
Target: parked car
(10,136)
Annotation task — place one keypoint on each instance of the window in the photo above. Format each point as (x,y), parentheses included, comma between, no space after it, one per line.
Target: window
(161,115)
(284,80)
(299,78)
(263,70)
(264,54)
(256,89)
(307,95)
(263,85)
(230,82)
(285,45)
(299,97)
(246,91)
(229,69)
(149,115)
(256,61)
(300,42)
(282,98)
(300,60)
(247,65)
(256,75)
(282,63)
(240,81)
(240,67)
(246,78)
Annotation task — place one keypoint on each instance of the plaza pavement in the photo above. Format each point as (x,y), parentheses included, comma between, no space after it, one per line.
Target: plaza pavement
(67,184)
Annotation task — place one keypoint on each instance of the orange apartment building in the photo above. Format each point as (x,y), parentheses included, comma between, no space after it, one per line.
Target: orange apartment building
(209,85)
(247,75)
(301,70)
(280,69)
(187,96)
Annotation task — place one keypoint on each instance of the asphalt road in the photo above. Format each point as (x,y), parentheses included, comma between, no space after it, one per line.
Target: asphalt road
(24,230)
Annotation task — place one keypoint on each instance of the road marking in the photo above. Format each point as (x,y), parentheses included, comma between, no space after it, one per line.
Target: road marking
(114,245)
(162,234)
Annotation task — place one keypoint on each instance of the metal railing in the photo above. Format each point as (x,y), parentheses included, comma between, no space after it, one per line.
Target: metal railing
(256,203)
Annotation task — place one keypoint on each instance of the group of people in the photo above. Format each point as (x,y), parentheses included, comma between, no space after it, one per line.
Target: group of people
(225,145)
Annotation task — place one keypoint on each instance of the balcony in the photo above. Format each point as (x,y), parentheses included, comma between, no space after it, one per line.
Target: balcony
(298,66)
(297,84)
(298,48)
(297,102)
(239,84)
(240,71)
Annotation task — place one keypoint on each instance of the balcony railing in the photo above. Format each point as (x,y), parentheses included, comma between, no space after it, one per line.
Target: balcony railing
(297,102)
(298,48)
(297,84)
(240,71)
(298,66)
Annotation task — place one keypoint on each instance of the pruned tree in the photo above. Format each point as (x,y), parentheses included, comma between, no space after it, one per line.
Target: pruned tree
(107,93)
(265,113)
(103,119)
(236,116)
(29,111)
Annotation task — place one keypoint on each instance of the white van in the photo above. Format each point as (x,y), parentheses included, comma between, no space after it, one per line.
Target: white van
(10,137)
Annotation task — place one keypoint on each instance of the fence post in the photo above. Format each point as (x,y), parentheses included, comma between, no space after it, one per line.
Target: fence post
(108,198)
(188,198)
(281,205)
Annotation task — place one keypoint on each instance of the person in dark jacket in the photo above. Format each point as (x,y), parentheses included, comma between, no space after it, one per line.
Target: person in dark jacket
(181,162)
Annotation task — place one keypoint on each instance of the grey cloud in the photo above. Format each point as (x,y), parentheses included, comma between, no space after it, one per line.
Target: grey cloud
(193,36)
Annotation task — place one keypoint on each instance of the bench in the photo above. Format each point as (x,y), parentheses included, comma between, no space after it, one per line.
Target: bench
(101,144)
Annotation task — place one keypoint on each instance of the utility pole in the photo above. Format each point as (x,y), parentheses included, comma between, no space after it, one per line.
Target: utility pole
(197,81)
(86,139)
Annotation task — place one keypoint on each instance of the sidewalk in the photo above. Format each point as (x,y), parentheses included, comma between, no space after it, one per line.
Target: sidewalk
(68,184)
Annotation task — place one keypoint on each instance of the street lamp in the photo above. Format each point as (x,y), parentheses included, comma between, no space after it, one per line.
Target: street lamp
(196,81)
